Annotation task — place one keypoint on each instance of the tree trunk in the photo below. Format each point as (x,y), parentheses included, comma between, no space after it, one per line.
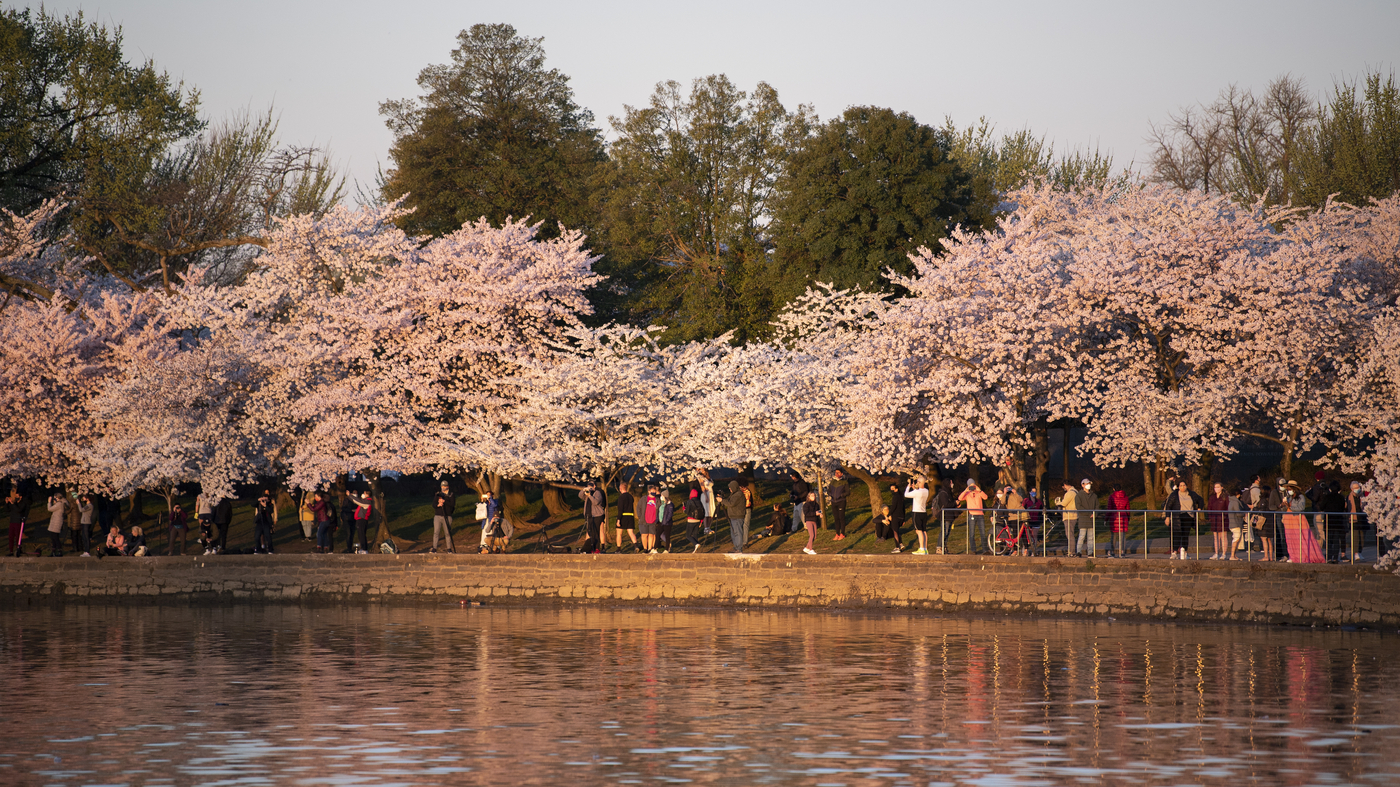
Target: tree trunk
(134,515)
(376,491)
(1200,475)
(877,498)
(1042,455)
(1149,484)
(554,502)
(821,498)
(1064,474)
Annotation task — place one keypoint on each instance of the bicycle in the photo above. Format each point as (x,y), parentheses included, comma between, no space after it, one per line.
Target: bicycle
(1004,540)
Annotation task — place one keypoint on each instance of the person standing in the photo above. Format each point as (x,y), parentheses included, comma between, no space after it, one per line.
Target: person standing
(973,497)
(444,504)
(839,490)
(58,509)
(1035,515)
(1118,523)
(666,513)
(223,519)
(347,519)
(626,515)
(1333,506)
(798,496)
(1302,545)
(325,522)
(694,518)
(938,512)
(651,518)
(179,526)
(1185,503)
(1278,501)
(492,523)
(19,511)
(85,516)
(1069,516)
(204,513)
(595,510)
(707,498)
(264,522)
(811,514)
(1238,522)
(364,511)
(306,516)
(1218,504)
(1088,504)
(1357,524)
(897,517)
(917,493)
(736,506)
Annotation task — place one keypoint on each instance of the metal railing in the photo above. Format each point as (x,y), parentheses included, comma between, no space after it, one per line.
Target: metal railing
(1017,520)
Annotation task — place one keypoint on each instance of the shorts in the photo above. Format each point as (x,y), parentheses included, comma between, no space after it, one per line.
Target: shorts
(627,521)
(921,521)
(649,528)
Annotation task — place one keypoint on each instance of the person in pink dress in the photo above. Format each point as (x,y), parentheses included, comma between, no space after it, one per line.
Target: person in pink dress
(1118,521)
(1302,544)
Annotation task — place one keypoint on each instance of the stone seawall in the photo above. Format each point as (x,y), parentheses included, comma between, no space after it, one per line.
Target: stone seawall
(1191,590)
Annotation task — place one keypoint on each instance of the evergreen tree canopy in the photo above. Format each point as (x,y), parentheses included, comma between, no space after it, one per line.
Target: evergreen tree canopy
(865,191)
(495,135)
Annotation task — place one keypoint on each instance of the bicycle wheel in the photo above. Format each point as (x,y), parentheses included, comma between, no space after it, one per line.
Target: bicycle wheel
(995,545)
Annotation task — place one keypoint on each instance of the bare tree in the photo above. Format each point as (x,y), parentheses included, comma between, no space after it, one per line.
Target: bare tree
(1191,150)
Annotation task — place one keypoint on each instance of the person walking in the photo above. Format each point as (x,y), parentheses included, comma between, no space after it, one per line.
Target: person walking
(694,518)
(811,515)
(797,495)
(1238,522)
(19,511)
(264,523)
(626,515)
(595,510)
(973,497)
(179,526)
(1070,517)
(223,519)
(444,504)
(324,517)
(58,509)
(897,516)
(1118,522)
(917,493)
(839,490)
(1218,504)
(736,506)
(1185,503)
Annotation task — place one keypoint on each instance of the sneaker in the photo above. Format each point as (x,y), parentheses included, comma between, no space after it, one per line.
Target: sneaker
(358,552)
(807,551)
(896,549)
(653,552)
(85,554)
(432,550)
(696,549)
(1356,558)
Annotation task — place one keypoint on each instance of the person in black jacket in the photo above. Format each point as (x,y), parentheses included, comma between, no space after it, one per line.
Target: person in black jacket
(443,505)
(347,520)
(941,502)
(264,521)
(223,520)
(897,499)
(626,515)
(1333,507)
(838,491)
(1183,523)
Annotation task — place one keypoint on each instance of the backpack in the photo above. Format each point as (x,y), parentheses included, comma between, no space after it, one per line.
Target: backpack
(389,547)
(693,509)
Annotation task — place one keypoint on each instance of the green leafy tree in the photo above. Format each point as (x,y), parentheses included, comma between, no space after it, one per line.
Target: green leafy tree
(1353,150)
(863,192)
(495,134)
(75,118)
(685,202)
(1000,166)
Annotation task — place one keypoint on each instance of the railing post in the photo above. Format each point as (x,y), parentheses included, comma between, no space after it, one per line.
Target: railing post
(943,531)
(1198,534)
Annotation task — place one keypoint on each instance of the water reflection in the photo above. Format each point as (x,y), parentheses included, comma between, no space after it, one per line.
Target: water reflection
(107,695)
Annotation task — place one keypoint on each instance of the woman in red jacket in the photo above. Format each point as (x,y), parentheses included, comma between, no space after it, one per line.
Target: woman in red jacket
(1118,521)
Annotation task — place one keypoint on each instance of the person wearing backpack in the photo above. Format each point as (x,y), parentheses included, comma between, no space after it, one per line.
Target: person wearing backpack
(650,519)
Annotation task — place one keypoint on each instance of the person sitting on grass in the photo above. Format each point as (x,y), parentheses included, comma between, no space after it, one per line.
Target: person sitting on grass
(136,545)
(777,524)
(116,543)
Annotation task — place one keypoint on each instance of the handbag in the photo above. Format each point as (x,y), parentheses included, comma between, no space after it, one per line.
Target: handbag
(480,511)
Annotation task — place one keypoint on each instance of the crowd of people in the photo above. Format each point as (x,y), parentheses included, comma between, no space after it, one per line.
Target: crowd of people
(1279,521)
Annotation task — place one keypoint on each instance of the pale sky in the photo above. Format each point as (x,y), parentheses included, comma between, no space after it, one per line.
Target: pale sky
(1082,73)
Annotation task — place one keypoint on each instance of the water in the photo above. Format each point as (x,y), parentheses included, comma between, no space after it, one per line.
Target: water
(374,695)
